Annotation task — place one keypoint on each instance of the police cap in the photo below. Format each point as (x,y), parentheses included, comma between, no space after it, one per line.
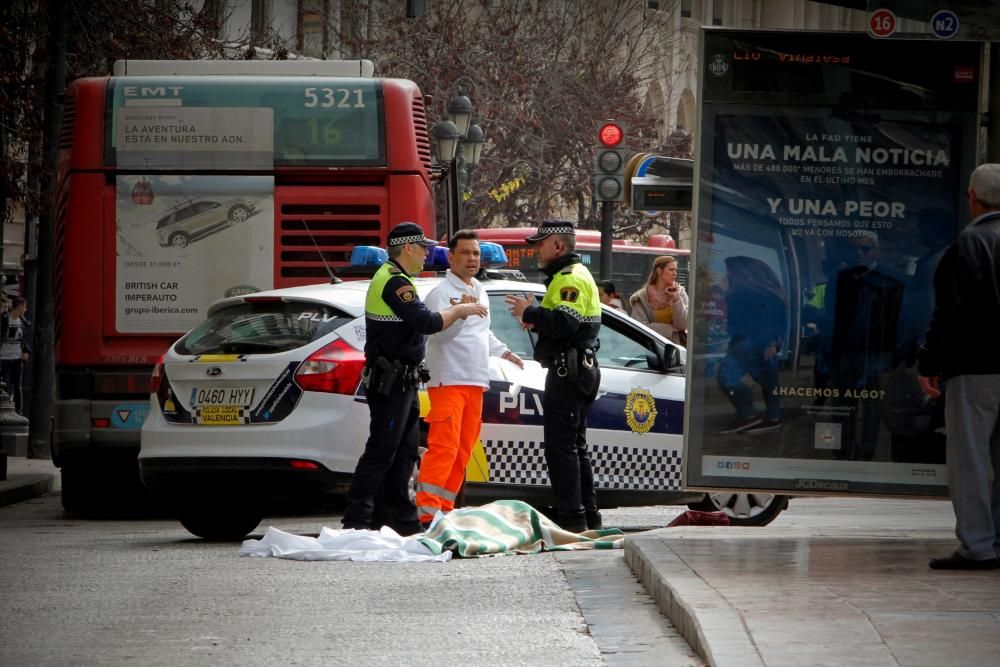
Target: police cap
(409,232)
(550,227)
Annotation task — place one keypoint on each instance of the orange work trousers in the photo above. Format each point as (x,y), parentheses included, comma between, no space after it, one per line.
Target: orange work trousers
(455,418)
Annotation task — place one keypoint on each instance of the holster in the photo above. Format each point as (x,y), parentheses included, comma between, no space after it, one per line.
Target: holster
(380,376)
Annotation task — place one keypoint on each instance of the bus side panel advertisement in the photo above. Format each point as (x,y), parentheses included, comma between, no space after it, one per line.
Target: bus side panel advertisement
(817,234)
(174,234)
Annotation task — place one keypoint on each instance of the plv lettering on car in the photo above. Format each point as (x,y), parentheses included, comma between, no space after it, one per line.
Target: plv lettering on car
(509,401)
(316,317)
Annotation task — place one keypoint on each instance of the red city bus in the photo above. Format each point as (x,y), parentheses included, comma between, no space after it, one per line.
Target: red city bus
(630,261)
(184,182)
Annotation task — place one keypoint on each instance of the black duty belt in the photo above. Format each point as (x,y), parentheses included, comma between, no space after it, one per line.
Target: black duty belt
(383,376)
(567,364)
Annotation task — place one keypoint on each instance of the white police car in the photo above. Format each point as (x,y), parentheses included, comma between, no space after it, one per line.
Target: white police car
(263,401)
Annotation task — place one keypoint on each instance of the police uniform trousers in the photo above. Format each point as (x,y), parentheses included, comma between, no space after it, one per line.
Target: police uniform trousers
(386,466)
(566,404)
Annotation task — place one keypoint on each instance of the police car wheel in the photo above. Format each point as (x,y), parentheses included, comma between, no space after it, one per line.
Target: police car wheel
(743,509)
(222,522)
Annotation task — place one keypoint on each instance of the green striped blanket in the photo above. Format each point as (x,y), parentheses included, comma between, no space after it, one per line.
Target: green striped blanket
(508,526)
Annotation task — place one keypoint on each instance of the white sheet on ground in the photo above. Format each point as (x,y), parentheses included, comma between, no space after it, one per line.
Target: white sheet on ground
(384,544)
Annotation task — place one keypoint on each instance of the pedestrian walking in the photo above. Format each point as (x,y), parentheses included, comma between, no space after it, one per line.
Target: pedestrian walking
(960,352)
(14,349)
(458,363)
(567,323)
(397,324)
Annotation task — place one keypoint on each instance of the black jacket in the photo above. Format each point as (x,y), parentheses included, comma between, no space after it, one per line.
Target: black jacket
(962,339)
(557,329)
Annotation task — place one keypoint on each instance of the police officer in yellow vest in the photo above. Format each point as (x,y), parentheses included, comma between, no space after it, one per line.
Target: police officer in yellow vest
(397,324)
(567,323)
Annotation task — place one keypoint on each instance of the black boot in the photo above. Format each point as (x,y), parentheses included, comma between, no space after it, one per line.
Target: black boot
(594,521)
(573,523)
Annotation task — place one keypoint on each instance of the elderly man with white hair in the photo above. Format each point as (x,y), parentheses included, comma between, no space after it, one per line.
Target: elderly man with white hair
(961,352)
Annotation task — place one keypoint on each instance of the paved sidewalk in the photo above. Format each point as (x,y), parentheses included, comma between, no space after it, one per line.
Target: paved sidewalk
(831,582)
(27,478)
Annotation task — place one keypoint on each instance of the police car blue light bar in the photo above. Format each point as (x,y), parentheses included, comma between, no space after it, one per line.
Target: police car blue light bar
(368,255)
(437,259)
(492,255)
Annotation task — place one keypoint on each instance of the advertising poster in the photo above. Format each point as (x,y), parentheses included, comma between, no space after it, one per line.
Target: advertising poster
(818,232)
(174,235)
(176,137)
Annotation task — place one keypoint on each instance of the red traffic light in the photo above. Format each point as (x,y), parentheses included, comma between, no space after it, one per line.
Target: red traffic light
(610,134)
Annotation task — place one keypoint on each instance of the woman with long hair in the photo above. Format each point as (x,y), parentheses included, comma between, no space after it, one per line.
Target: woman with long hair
(662,304)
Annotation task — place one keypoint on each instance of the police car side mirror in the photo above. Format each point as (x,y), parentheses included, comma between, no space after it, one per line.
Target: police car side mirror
(671,357)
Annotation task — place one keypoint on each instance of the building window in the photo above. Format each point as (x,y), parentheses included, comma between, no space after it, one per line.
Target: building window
(260,19)
(314,33)
(212,14)
(686,8)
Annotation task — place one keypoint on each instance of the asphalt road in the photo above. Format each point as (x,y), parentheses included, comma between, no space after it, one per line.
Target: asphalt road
(144,591)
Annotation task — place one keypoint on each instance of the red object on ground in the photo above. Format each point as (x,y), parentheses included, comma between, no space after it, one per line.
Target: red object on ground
(698,518)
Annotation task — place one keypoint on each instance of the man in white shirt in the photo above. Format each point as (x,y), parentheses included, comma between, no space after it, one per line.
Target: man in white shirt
(458,361)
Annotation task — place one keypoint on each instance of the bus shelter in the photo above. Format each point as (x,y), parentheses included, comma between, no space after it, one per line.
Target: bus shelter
(831,177)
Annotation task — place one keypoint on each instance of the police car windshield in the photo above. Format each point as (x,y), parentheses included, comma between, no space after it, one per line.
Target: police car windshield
(262,328)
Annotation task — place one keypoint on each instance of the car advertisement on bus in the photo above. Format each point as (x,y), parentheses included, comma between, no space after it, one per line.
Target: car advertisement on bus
(174,234)
(818,230)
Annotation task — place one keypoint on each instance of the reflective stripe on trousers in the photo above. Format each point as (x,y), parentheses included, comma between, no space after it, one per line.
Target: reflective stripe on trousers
(455,419)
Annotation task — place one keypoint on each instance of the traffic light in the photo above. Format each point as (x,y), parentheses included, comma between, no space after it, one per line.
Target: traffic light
(609,162)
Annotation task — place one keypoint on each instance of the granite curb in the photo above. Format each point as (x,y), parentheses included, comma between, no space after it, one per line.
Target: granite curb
(713,628)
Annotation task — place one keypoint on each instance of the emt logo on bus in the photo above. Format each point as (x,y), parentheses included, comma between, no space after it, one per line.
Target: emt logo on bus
(151,91)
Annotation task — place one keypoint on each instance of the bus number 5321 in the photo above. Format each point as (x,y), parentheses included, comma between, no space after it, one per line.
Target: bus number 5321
(334,97)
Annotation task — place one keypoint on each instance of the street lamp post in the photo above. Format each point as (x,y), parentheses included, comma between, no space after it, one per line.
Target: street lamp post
(450,135)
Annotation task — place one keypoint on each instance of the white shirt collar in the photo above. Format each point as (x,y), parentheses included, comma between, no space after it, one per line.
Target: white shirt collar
(457,282)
